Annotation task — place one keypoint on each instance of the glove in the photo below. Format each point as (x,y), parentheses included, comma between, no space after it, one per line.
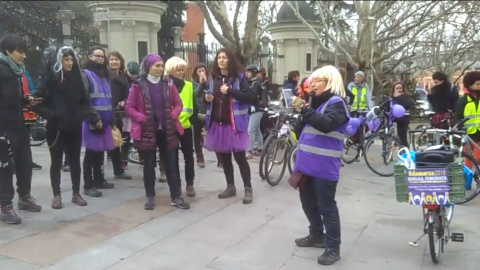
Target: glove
(298,104)
(6,154)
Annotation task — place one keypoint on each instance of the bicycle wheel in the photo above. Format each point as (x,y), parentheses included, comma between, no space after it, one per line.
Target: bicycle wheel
(474,190)
(133,156)
(381,153)
(276,155)
(435,237)
(419,140)
(291,159)
(266,145)
(351,151)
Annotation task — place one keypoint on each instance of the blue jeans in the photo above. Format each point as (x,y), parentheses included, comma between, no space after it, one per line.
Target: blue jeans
(171,163)
(254,130)
(318,203)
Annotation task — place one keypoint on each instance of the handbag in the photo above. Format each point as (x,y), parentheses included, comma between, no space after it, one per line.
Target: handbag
(117,137)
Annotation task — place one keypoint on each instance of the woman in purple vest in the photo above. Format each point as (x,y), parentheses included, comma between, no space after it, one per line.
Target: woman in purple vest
(154,105)
(227,120)
(321,131)
(97,137)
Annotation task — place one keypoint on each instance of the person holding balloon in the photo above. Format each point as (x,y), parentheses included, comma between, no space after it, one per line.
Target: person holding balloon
(400,97)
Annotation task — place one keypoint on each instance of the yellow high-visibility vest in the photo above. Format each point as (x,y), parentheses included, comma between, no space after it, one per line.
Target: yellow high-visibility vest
(362,103)
(187,100)
(471,113)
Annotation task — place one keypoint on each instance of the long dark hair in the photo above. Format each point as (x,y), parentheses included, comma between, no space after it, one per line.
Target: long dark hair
(54,68)
(119,56)
(403,87)
(234,67)
(198,66)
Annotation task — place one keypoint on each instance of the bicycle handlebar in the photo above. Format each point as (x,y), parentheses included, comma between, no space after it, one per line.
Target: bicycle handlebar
(437,130)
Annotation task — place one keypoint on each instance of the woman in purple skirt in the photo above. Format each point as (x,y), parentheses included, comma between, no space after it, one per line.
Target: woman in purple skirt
(227,118)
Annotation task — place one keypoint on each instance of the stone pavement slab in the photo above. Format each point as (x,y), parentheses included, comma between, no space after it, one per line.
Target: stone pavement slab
(115,233)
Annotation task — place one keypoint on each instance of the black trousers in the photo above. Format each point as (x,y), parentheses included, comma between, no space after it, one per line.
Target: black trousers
(186,146)
(318,203)
(241,159)
(70,143)
(402,130)
(198,138)
(93,174)
(22,156)
(171,161)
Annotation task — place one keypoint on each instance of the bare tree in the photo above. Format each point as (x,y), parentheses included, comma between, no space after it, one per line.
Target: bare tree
(384,31)
(258,15)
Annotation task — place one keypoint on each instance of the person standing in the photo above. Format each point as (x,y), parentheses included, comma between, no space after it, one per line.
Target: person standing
(119,88)
(97,136)
(257,110)
(65,106)
(29,116)
(201,85)
(362,93)
(227,120)
(443,97)
(322,127)
(154,105)
(14,135)
(400,96)
(175,68)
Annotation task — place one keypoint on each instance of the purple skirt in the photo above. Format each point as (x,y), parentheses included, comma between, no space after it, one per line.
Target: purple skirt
(97,142)
(223,139)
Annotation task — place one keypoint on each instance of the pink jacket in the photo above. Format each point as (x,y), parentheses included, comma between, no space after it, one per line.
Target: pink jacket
(135,109)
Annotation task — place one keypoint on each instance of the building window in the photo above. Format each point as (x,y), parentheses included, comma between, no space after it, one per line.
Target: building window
(142,50)
(308,62)
(184,16)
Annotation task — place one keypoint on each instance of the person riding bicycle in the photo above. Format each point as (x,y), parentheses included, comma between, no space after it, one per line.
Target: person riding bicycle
(443,97)
(257,110)
(468,108)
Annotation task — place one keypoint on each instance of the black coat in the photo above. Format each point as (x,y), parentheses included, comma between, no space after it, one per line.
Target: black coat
(12,100)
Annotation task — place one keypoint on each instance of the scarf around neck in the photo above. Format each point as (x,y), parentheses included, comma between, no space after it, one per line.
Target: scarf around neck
(17,69)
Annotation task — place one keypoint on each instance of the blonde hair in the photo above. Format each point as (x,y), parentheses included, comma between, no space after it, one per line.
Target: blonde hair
(173,64)
(333,77)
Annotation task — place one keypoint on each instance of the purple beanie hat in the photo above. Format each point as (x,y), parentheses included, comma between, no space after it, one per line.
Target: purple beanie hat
(148,61)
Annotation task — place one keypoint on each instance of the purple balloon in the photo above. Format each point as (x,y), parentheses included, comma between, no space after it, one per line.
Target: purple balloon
(373,125)
(352,126)
(398,111)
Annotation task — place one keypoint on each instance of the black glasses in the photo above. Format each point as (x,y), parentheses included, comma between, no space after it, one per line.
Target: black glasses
(98,56)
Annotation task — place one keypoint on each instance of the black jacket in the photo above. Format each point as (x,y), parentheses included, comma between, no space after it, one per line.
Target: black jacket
(333,117)
(12,100)
(199,91)
(443,97)
(66,104)
(405,102)
(119,88)
(260,93)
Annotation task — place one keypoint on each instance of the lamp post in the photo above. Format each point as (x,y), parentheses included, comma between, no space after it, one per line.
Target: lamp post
(372,20)
(107,13)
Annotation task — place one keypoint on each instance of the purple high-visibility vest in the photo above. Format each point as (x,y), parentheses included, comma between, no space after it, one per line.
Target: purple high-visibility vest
(239,110)
(100,96)
(319,153)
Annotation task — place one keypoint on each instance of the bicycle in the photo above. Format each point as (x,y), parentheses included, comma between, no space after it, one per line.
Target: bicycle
(279,149)
(440,136)
(417,141)
(38,132)
(356,147)
(386,133)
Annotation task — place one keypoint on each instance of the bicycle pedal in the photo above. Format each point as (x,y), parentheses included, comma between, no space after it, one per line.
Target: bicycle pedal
(457,237)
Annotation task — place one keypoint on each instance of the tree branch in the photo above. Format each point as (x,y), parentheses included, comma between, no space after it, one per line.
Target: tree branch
(224,41)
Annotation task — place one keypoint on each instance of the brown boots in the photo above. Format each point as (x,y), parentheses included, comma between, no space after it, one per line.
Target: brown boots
(231,191)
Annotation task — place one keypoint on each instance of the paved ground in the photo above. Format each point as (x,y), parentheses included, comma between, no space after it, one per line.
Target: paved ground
(115,233)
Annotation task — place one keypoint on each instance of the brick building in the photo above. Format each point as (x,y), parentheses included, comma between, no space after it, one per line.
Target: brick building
(194,24)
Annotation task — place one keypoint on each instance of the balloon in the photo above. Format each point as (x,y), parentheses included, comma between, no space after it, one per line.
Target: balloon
(352,126)
(398,111)
(373,125)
